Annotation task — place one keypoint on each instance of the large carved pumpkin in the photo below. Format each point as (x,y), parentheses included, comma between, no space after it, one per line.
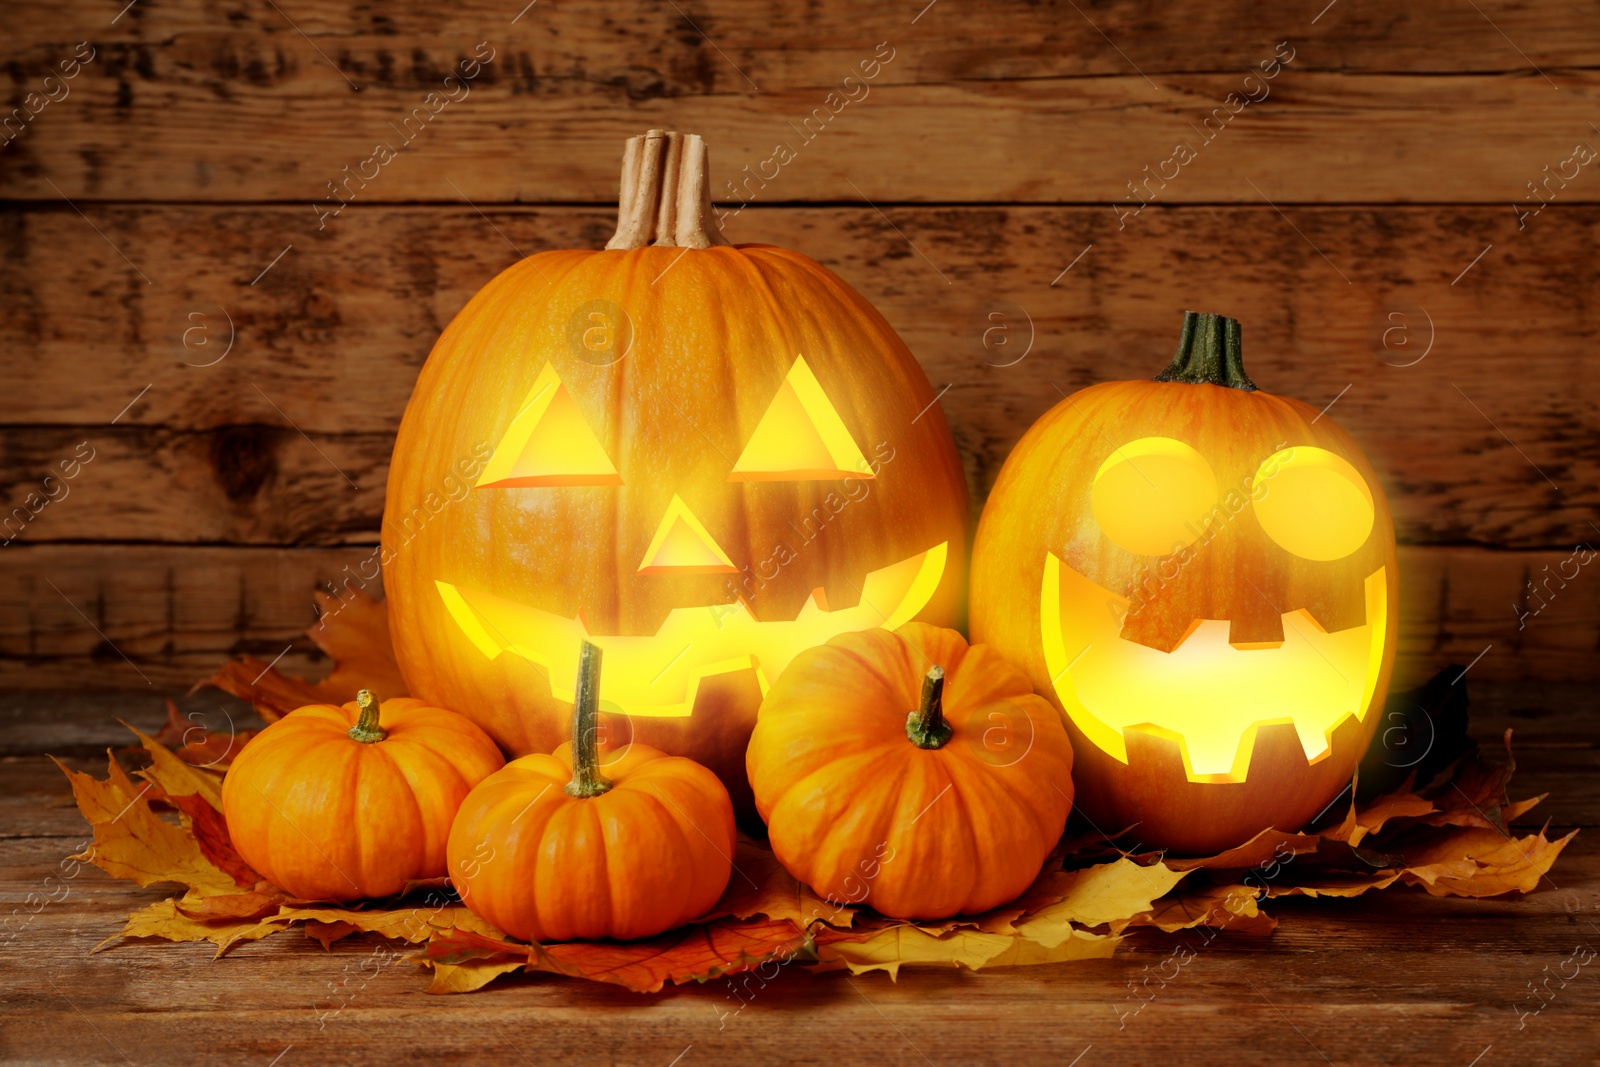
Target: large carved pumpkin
(1201,576)
(703,458)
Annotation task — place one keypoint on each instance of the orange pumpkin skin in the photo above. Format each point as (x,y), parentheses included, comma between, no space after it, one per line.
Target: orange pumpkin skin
(325,817)
(714,332)
(863,815)
(1041,503)
(651,854)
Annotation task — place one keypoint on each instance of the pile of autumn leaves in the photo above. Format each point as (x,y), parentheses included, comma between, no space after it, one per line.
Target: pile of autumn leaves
(1443,826)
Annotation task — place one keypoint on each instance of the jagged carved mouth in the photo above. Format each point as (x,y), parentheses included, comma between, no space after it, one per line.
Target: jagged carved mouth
(1207,695)
(660,674)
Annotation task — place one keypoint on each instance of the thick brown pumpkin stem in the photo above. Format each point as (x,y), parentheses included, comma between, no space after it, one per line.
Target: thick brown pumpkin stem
(927,727)
(587,781)
(366,730)
(665,198)
(1209,353)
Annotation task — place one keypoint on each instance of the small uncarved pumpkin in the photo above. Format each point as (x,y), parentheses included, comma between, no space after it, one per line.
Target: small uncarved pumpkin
(351,802)
(558,847)
(951,809)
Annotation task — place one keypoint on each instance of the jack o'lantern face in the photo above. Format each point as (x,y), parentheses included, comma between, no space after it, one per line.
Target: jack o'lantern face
(551,447)
(1201,576)
(1208,591)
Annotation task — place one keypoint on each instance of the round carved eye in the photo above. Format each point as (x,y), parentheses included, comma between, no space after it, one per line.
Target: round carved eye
(1313,503)
(1153,496)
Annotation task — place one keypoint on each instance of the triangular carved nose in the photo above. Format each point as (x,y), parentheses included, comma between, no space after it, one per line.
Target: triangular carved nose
(682,545)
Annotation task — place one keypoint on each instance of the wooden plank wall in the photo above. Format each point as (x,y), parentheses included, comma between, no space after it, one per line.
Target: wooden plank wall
(222,362)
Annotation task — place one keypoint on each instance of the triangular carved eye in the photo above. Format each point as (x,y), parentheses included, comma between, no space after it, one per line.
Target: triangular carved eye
(548,443)
(800,438)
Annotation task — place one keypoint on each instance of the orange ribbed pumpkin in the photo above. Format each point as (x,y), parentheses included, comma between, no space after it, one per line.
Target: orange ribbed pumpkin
(910,772)
(1201,576)
(351,802)
(703,458)
(564,846)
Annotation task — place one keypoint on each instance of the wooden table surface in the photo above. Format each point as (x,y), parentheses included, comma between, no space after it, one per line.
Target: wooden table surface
(1392,977)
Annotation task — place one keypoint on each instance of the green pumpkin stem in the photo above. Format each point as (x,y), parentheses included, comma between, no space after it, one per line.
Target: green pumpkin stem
(927,727)
(366,730)
(587,781)
(1209,353)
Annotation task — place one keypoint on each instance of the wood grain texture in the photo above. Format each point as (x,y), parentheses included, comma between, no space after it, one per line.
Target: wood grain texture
(784,45)
(1361,982)
(1489,439)
(171,206)
(70,613)
(1048,103)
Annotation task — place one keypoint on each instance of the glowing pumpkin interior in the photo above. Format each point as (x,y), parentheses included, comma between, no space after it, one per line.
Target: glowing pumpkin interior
(801,437)
(1210,694)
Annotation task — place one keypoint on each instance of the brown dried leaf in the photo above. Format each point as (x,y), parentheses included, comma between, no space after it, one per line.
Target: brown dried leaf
(355,635)
(1396,805)
(197,745)
(698,953)
(166,919)
(470,976)
(251,904)
(131,841)
(328,933)
(899,945)
(211,834)
(354,632)
(1518,808)
(761,887)
(1267,847)
(272,694)
(1484,863)
(412,921)
(174,776)
(1222,907)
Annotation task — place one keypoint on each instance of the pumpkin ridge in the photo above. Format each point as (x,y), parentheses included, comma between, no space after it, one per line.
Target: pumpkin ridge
(417,842)
(885,825)
(670,815)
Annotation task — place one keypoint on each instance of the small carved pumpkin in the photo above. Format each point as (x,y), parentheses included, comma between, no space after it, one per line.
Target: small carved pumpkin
(351,802)
(1201,576)
(910,772)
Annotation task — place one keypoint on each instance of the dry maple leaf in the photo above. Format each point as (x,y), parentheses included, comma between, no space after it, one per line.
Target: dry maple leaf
(131,841)
(195,743)
(354,633)
(888,948)
(697,953)
(760,886)
(1224,907)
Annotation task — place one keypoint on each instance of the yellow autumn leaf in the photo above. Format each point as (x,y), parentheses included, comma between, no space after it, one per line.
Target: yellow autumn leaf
(164,919)
(131,841)
(175,777)
(903,945)
(406,922)
(1224,907)
(470,976)
(1107,893)
(760,886)
(1080,946)
(1484,863)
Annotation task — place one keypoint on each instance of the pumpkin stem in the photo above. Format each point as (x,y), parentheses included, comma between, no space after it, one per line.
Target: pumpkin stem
(665,199)
(1209,353)
(927,727)
(366,730)
(587,781)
